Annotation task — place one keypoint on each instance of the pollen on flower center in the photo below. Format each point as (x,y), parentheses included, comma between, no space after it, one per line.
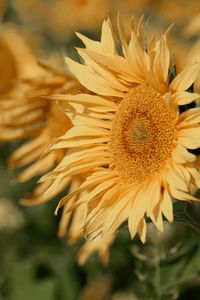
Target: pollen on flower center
(139,132)
(142,135)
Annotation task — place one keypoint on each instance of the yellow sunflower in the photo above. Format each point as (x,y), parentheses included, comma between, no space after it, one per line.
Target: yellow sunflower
(26,113)
(191,51)
(134,140)
(84,14)
(177,10)
(192,28)
(16,59)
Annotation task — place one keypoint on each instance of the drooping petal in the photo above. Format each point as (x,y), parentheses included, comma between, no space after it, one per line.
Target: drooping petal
(157,219)
(137,210)
(166,206)
(41,166)
(142,230)
(100,244)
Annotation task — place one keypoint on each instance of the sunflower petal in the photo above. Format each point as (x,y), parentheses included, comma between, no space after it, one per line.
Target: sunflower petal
(182,98)
(185,79)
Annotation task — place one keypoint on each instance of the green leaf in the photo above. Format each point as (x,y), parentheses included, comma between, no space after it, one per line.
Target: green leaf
(187,213)
(25,286)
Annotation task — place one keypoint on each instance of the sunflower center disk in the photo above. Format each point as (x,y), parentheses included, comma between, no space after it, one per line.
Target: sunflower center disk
(142,135)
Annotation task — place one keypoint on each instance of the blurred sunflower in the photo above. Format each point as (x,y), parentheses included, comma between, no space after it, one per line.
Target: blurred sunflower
(177,10)
(193,27)
(191,51)
(14,48)
(186,48)
(50,122)
(83,15)
(16,61)
(135,145)
(2,8)
(25,112)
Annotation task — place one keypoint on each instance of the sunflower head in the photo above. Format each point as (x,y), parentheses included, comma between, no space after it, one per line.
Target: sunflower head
(16,59)
(133,141)
(28,113)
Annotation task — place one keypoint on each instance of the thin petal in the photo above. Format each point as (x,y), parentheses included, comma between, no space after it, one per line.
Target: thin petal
(90,44)
(186,78)
(107,40)
(161,60)
(87,100)
(181,155)
(182,98)
(180,195)
(195,175)
(117,64)
(166,206)
(138,58)
(175,180)
(142,230)
(189,137)
(157,219)
(106,75)
(189,117)
(91,80)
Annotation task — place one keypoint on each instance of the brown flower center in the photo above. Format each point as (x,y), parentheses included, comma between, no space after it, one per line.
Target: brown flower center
(142,135)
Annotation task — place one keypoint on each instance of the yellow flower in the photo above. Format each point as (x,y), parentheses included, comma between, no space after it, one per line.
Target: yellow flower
(176,10)
(16,60)
(190,52)
(84,14)
(26,113)
(192,28)
(134,144)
